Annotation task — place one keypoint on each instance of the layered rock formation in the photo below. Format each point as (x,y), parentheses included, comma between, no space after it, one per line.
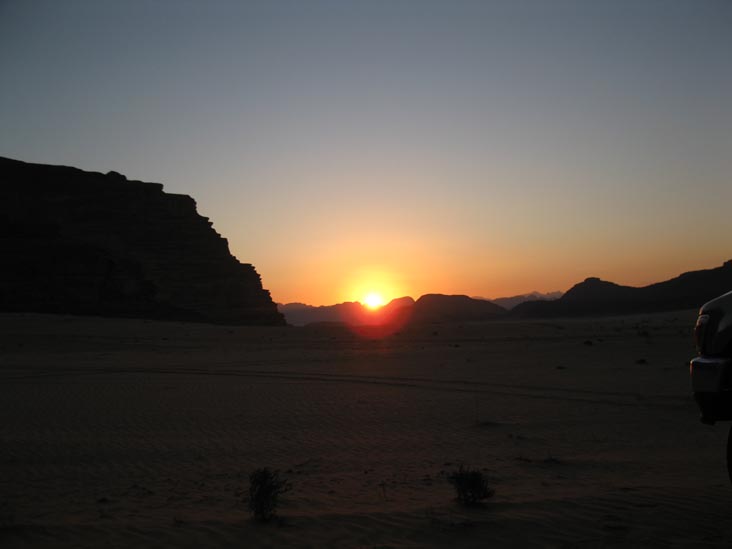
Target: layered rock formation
(87,243)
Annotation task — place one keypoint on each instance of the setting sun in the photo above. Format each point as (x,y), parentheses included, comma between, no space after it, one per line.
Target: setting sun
(372,285)
(373,300)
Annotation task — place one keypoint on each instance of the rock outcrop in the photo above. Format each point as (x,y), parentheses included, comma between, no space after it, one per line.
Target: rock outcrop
(81,242)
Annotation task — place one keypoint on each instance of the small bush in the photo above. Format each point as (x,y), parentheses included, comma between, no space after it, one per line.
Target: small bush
(265,487)
(471,485)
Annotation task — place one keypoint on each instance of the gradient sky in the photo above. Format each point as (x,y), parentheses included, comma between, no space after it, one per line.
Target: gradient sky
(484,148)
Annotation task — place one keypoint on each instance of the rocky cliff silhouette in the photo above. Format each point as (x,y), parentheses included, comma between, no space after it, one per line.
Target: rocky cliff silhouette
(599,297)
(81,242)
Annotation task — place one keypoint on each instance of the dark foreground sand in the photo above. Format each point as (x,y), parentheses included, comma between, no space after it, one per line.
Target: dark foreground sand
(136,433)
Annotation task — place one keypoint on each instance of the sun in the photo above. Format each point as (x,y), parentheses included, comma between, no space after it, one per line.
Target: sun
(373,300)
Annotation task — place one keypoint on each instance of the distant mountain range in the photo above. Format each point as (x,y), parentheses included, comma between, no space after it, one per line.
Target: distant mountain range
(351,312)
(510,302)
(592,297)
(599,297)
(428,308)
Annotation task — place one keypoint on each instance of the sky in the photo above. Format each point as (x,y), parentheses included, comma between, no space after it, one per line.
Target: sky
(487,148)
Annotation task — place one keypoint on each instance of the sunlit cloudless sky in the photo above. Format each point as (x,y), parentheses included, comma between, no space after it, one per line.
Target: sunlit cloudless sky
(485,148)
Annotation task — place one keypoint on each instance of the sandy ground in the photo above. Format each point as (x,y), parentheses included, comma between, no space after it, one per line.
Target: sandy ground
(139,433)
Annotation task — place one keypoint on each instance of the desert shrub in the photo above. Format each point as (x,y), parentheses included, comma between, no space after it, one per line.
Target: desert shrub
(265,488)
(471,485)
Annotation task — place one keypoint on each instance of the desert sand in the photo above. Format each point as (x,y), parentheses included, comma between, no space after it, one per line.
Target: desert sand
(135,433)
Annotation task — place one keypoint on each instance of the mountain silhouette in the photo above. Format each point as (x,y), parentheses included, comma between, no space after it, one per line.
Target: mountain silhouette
(510,302)
(428,308)
(591,297)
(594,296)
(350,312)
(454,308)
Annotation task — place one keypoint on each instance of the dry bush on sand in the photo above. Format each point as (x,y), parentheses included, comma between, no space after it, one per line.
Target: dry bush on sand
(265,487)
(471,485)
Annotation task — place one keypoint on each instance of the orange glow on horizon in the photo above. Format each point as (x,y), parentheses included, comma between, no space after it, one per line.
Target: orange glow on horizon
(373,287)
(373,300)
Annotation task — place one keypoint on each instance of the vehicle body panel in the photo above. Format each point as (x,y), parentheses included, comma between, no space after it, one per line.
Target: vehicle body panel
(711,371)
